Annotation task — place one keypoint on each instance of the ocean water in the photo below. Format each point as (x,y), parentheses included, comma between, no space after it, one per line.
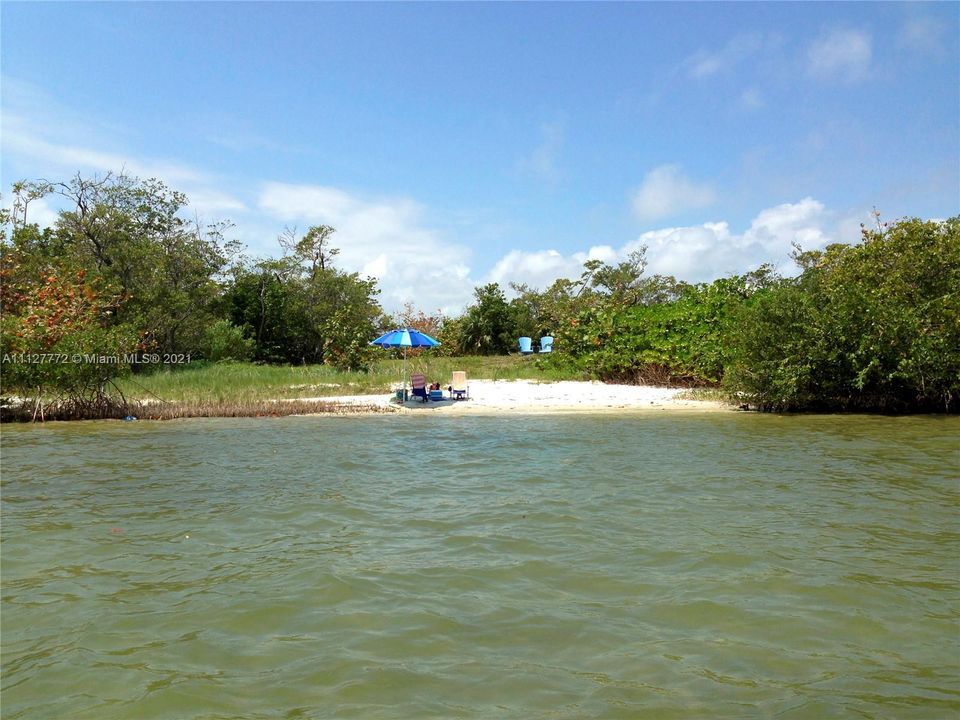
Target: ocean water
(661,565)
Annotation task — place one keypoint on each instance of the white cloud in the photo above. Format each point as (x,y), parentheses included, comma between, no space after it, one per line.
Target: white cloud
(210,202)
(386,239)
(711,250)
(18,139)
(688,253)
(542,163)
(706,63)
(539,269)
(394,239)
(383,238)
(52,158)
(841,54)
(700,253)
(775,229)
(751,99)
(666,191)
(923,34)
(54,142)
(40,212)
(849,227)
(376,267)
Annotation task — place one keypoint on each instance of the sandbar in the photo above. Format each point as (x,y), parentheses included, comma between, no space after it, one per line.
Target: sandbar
(496,397)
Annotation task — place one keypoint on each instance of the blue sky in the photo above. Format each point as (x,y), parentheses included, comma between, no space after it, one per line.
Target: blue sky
(453,144)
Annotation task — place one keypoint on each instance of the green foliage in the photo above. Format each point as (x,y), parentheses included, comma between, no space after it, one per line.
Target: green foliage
(225,341)
(488,327)
(128,232)
(661,343)
(313,248)
(301,309)
(261,300)
(872,326)
(58,343)
(452,339)
(167,275)
(413,318)
(344,317)
(539,313)
(621,282)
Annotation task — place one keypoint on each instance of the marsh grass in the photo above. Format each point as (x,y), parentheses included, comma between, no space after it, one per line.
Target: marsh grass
(711,394)
(247,390)
(263,408)
(225,383)
(246,382)
(133,410)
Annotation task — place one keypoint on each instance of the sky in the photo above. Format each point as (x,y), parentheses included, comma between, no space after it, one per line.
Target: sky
(456,144)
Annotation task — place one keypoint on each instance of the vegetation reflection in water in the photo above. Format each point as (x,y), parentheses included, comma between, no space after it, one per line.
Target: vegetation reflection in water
(720,566)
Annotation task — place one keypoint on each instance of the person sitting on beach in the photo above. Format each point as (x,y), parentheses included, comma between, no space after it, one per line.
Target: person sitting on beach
(435,386)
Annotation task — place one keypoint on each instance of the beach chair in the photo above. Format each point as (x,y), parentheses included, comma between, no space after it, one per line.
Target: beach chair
(418,385)
(525,345)
(546,344)
(458,386)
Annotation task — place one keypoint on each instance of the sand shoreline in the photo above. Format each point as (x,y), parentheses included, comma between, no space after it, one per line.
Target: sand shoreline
(485,397)
(530,397)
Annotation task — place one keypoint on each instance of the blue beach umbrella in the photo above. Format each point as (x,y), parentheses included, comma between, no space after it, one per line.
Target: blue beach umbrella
(405,338)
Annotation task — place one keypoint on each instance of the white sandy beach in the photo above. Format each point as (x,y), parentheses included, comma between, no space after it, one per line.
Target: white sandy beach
(530,396)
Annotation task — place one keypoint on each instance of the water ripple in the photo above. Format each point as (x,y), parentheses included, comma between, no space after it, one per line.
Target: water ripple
(530,567)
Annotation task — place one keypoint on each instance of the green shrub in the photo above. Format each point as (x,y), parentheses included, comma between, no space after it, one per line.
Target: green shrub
(872,326)
(225,341)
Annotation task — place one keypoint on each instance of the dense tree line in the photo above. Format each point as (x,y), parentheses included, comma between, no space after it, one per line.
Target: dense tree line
(871,326)
(301,309)
(123,274)
(123,282)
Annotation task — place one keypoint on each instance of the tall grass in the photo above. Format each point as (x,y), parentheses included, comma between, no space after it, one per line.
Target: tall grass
(245,382)
(249,383)
(119,410)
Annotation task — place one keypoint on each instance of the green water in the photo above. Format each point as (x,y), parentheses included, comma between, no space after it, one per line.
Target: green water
(662,566)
